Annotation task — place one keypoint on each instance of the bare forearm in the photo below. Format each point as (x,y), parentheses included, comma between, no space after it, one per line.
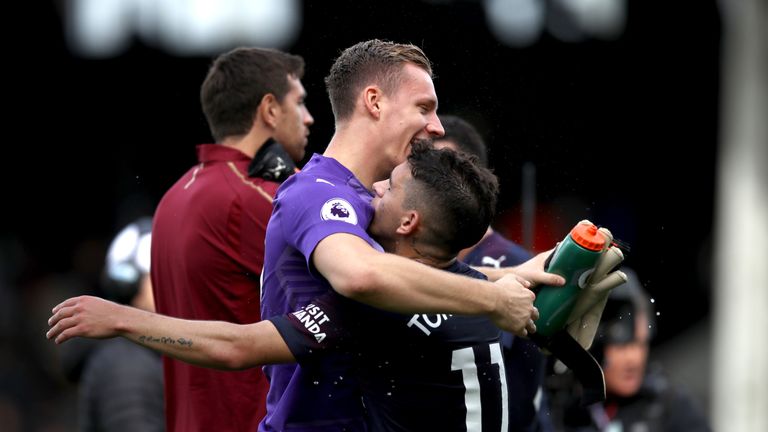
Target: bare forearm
(405,286)
(492,273)
(400,285)
(531,270)
(214,344)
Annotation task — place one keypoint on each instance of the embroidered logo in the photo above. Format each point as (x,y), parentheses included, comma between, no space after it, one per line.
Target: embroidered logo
(339,209)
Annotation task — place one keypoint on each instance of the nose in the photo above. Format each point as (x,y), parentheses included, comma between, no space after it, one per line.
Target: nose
(379,187)
(308,119)
(434,127)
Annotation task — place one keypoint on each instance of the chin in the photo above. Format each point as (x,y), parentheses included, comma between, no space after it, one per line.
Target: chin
(297,155)
(626,389)
(373,231)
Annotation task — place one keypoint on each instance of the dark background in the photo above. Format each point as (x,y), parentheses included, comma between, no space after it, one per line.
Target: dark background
(623,132)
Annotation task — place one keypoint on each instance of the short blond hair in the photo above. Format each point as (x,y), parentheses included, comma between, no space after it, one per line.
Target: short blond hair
(370,62)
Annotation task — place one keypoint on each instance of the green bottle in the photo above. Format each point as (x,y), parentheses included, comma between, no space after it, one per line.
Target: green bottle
(572,259)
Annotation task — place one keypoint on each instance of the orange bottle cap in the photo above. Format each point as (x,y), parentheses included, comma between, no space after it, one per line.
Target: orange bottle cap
(587,236)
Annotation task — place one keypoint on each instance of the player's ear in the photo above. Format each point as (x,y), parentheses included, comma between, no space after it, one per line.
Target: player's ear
(372,99)
(409,222)
(268,109)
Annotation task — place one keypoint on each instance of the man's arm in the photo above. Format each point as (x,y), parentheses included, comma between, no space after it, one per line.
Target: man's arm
(397,284)
(531,270)
(214,344)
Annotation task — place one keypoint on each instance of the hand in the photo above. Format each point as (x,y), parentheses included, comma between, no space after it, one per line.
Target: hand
(533,271)
(84,316)
(515,311)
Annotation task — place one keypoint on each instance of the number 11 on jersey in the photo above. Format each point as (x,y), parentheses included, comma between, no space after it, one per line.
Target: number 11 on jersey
(464,360)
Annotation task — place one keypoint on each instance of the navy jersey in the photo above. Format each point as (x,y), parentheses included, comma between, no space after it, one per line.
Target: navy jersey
(523,360)
(417,372)
(496,251)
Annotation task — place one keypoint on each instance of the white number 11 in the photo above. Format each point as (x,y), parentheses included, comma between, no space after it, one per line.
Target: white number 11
(464,360)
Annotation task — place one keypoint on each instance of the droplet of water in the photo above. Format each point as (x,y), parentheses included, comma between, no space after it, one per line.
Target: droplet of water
(658,313)
(653,300)
(315,382)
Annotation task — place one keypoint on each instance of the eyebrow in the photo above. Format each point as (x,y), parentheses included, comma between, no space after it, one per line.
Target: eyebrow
(429,102)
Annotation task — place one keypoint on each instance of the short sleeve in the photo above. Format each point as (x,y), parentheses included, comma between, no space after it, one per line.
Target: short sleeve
(321,327)
(313,210)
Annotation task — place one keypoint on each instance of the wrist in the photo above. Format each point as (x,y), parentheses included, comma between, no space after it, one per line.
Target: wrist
(123,321)
(492,302)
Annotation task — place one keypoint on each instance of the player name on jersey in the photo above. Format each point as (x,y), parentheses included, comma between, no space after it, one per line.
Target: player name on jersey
(422,321)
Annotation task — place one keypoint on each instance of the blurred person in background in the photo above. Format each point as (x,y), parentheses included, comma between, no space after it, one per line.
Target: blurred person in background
(524,363)
(209,228)
(121,387)
(639,395)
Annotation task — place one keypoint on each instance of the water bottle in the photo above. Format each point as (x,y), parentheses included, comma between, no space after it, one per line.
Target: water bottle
(572,259)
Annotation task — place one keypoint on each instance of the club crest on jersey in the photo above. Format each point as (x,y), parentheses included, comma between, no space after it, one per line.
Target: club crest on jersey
(339,209)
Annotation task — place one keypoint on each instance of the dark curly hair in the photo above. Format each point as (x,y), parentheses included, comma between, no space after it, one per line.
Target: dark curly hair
(456,195)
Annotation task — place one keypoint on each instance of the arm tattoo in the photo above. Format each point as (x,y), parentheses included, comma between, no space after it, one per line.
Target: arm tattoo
(146,340)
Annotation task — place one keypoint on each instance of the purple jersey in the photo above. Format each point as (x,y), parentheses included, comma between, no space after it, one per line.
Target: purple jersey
(325,198)
(417,372)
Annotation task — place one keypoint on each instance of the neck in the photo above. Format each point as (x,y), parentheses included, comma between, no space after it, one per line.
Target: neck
(434,262)
(464,252)
(425,254)
(355,148)
(249,143)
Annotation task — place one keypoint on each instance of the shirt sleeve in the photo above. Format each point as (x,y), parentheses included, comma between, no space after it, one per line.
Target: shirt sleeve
(323,326)
(312,210)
